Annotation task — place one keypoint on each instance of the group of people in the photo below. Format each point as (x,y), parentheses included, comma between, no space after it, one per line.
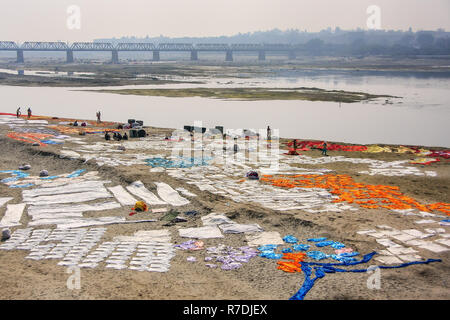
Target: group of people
(19,113)
(116,136)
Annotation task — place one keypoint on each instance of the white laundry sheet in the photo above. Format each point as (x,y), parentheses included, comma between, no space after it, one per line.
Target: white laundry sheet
(147,235)
(262,238)
(425,221)
(214,219)
(169,195)
(122,196)
(86,222)
(69,154)
(185,192)
(4,200)
(37,210)
(240,228)
(138,189)
(12,215)
(443,241)
(434,247)
(201,232)
(69,198)
(388,243)
(82,186)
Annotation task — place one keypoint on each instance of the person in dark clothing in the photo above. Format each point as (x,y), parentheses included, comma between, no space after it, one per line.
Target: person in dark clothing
(29,113)
(125,136)
(18,113)
(324,148)
(119,136)
(107,136)
(75,124)
(269,133)
(115,136)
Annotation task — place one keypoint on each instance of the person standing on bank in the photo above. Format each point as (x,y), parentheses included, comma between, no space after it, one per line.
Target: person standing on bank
(18,113)
(324,148)
(29,113)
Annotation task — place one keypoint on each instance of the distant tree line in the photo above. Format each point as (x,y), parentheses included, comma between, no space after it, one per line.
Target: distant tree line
(330,42)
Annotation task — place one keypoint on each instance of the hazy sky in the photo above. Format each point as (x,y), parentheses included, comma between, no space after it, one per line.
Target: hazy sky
(46,20)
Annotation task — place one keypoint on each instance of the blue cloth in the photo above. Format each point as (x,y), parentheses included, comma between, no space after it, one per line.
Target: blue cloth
(338,257)
(290,239)
(50,142)
(271,255)
(16,175)
(324,243)
(50,177)
(320,269)
(76,173)
(267,247)
(337,245)
(178,163)
(301,247)
(349,254)
(317,239)
(316,255)
(21,185)
(286,250)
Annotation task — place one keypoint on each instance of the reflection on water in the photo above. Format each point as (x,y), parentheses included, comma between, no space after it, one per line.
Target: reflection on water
(420,117)
(47,73)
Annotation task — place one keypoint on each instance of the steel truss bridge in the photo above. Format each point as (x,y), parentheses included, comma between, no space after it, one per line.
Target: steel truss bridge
(194,49)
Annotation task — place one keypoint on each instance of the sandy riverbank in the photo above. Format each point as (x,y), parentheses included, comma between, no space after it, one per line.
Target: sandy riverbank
(258,279)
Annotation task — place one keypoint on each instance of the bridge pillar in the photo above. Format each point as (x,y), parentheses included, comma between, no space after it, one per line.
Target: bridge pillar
(261,55)
(292,55)
(229,55)
(69,56)
(20,58)
(194,55)
(115,57)
(156,55)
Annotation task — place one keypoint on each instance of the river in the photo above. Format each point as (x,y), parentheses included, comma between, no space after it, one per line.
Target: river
(419,117)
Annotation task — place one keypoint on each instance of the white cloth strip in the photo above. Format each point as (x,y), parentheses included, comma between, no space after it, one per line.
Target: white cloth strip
(171,196)
(4,200)
(71,188)
(68,208)
(138,189)
(12,215)
(201,233)
(100,221)
(69,198)
(147,235)
(122,196)
(262,238)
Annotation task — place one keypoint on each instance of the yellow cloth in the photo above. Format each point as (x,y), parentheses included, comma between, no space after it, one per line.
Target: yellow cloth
(140,206)
(377,149)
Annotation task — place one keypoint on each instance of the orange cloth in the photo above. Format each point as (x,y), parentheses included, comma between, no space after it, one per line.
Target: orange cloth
(293,265)
(366,195)
(29,137)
